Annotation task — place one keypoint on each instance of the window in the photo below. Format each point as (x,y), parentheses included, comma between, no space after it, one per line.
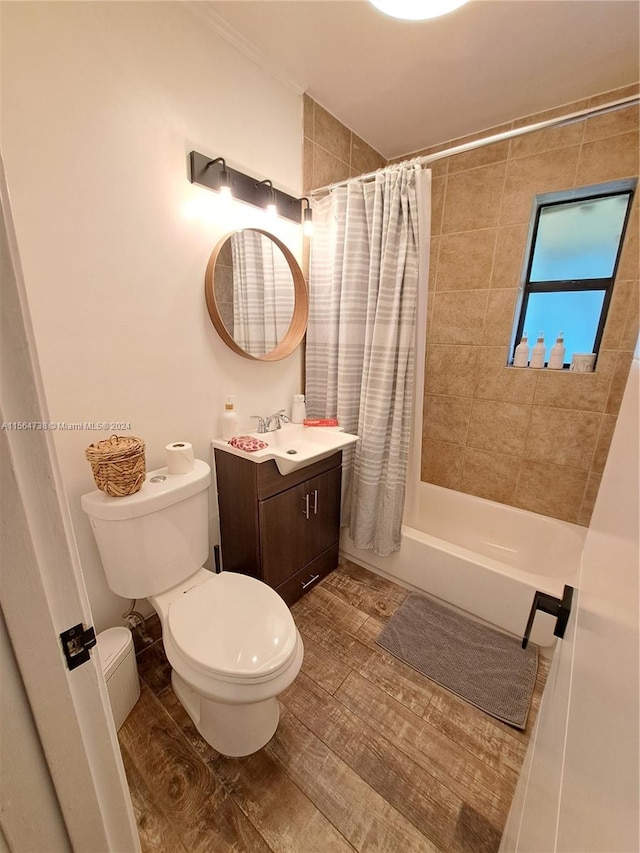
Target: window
(572,256)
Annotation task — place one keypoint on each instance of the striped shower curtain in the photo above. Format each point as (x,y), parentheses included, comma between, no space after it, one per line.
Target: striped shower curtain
(263,292)
(363,286)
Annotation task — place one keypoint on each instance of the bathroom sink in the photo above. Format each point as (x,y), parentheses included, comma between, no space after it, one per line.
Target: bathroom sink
(293,446)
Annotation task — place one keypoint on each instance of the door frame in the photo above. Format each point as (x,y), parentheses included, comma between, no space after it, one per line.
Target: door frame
(42,593)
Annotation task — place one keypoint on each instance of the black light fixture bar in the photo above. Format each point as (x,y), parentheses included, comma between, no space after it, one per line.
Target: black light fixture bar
(206,171)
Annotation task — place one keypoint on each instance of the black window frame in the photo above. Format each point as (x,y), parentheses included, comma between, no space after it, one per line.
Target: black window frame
(555,199)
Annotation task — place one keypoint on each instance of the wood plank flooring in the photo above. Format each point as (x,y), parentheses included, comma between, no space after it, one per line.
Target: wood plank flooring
(369,755)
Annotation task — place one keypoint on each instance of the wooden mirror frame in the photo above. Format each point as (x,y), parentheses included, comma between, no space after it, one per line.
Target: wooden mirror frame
(298,324)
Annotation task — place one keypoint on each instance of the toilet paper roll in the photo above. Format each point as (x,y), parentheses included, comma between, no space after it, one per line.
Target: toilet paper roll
(179,457)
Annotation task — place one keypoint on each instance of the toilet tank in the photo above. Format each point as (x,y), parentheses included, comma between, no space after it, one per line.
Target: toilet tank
(156,538)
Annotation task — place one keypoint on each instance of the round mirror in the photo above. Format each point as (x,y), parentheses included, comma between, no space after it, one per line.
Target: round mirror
(256,295)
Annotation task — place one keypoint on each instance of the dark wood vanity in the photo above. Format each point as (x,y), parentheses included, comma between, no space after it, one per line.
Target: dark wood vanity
(281,529)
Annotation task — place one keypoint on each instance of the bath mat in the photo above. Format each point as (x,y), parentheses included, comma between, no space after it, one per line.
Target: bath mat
(480,664)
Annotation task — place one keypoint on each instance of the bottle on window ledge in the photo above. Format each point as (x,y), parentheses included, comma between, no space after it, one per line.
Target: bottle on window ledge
(556,355)
(521,353)
(538,352)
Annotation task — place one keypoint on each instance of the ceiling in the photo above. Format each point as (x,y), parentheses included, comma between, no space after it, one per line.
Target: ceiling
(403,86)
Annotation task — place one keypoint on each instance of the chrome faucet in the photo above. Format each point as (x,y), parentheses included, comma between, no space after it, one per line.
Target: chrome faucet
(262,426)
(280,418)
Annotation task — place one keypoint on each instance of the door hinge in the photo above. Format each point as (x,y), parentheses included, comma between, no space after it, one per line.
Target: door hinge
(76,643)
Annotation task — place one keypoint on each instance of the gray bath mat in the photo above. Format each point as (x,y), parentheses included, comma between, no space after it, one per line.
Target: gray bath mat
(482,665)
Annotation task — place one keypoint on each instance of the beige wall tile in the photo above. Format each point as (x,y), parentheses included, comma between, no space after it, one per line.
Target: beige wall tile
(499,322)
(326,168)
(473,199)
(496,381)
(511,243)
(439,168)
(607,426)
(331,134)
(608,159)
(466,260)
(442,464)
(364,158)
(434,260)
(632,326)
(430,297)
(584,391)
(628,268)
(499,427)
(446,418)
(589,499)
(612,124)
(307,167)
(614,95)
(618,382)
(490,475)
(563,437)
(450,370)
(458,316)
(482,156)
(438,189)
(617,314)
(529,176)
(547,140)
(308,107)
(555,112)
(551,490)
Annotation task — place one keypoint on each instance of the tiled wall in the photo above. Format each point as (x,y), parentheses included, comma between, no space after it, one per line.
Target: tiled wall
(533,439)
(332,152)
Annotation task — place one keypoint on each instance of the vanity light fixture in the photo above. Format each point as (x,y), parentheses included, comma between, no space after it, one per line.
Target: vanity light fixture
(271,205)
(416,10)
(307,218)
(224,178)
(216,175)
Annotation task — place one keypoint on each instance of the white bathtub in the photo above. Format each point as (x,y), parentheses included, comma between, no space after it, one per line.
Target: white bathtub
(485,558)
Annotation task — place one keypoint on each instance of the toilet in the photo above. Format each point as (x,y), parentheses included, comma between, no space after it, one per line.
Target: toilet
(230,639)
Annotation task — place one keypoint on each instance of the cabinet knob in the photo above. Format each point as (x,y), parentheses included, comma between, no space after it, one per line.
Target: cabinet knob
(309,582)
(306,505)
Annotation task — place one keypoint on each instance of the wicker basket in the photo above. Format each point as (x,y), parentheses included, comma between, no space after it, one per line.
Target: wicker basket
(118,464)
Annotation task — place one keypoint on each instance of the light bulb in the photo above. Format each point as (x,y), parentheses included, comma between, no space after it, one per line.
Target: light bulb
(416,10)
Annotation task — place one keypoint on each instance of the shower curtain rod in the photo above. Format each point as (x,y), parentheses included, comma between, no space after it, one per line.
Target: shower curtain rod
(488,140)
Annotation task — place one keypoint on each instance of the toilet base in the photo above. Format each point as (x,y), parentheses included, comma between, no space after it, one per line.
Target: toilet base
(233,730)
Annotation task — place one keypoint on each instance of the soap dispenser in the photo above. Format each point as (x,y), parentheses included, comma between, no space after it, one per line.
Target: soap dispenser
(521,354)
(229,419)
(298,409)
(556,355)
(538,352)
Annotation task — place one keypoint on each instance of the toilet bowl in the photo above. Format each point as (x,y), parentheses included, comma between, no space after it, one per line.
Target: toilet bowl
(230,639)
(233,647)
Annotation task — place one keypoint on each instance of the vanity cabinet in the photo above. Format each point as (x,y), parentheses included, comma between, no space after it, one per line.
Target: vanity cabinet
(281,529)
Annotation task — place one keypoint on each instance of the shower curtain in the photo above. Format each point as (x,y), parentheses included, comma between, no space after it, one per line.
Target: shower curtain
(263,292)
(363,288)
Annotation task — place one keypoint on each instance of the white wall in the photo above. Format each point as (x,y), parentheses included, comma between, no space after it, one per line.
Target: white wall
(101,103)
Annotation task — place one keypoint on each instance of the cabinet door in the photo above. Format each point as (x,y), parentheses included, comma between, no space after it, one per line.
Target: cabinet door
(298,525)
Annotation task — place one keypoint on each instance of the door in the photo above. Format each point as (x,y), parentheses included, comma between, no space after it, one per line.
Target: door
(579,790)
(72,740)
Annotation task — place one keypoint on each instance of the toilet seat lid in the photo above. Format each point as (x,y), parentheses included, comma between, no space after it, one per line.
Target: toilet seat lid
(235,626)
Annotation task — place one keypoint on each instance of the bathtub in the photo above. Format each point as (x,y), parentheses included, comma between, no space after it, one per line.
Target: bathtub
(485,558)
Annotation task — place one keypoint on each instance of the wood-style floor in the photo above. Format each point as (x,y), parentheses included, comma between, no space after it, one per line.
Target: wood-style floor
(369,755)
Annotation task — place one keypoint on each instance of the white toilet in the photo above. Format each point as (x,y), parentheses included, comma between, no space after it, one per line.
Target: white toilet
(230,639)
